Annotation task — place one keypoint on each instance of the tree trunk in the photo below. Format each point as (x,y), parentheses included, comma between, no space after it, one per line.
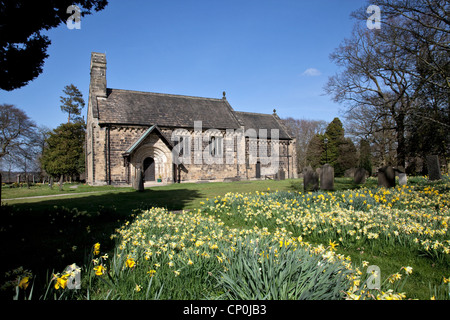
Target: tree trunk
(401,141)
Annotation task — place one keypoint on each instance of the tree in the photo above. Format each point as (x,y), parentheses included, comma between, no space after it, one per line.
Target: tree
(333,148)
(365,155)
(375,76)
(23,48)
(347,157)
(428,25)
(400,75)
(17,132)
(335,135)
(304,131)
(315,151)
(72,103)
(340,152)
(64,151)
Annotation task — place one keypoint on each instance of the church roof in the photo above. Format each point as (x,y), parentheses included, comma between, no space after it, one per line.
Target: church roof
(164,110)
(126,107)
(258,121)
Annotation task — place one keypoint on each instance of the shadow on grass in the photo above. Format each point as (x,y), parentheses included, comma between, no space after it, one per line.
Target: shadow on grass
(48,235)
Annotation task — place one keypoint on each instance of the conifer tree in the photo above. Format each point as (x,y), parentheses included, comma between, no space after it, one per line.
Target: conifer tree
(72,103)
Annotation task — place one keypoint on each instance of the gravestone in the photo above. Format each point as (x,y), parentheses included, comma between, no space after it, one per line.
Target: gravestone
(281,175)
(310,179)
(350,173)
(434,170)
(402,179)
(139,181)
(360,176)
(327,177)
(386,177)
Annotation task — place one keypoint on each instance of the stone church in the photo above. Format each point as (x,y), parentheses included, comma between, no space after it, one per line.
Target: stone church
(171,138)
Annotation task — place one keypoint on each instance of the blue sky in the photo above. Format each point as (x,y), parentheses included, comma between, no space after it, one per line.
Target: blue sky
(265,54)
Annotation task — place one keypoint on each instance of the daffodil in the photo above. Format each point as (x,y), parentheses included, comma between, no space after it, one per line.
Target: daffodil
(408,270)
(333,245)
(395,277)
(23,284)
(99,270)
(61,282)
(97,248)
(130,263)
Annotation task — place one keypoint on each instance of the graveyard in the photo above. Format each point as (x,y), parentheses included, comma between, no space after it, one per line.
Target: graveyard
(178,241)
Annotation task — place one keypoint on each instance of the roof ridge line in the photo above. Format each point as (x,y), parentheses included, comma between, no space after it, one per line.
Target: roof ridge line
(166,94)
(263,114)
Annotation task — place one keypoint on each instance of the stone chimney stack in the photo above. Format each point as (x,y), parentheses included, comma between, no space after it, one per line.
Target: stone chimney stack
(97,87)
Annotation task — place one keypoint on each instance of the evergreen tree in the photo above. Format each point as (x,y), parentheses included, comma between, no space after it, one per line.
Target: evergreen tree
(64,152)
(347,157)
(72,103)
(365,155)
(315,151)
(23,46)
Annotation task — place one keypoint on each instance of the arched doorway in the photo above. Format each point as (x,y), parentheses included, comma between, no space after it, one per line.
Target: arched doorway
(149,169)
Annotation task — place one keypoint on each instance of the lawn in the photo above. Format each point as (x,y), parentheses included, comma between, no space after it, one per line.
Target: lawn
(41,234)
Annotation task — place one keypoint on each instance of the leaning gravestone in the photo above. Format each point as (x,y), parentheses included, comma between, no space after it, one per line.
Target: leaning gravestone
(310,179)
(386,177)
(327,177)
(434,171)
(360,176)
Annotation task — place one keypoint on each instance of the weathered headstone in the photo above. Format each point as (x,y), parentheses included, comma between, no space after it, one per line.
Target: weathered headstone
(310,179)
(61,182)
(386,177)
(281,175)
(327,177)
(402,179)
(360,176)
(350,173)
(139,181)
(434,170)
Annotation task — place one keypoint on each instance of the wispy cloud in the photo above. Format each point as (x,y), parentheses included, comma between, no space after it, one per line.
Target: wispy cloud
(311,72)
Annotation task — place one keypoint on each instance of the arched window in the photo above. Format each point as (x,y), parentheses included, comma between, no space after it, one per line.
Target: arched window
(216,146)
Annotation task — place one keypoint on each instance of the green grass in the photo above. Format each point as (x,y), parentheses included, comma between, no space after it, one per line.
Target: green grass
(48,233)
(40,234)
